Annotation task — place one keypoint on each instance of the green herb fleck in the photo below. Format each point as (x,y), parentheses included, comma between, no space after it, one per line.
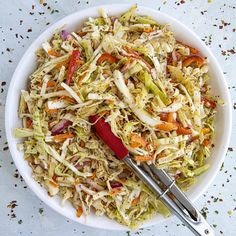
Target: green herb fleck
(20,222)
(204,212)
(128,233)
(215,199)
(41,211)
(222,166)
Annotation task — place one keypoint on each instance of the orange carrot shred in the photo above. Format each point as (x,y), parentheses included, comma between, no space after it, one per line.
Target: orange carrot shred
(143,158)
(164,116)
(50,111)
(68,99)
(63,63)
(135,201)
(148,29)
(79,212)
(192,49)
(170,117)
(54,184)
(93,176)
(51,83)
(54,53)
(167,126)
(137,141)
(193,59)
(81,33)
(206,142)
(194,138)
(115,191)
(62,137)
(184,131)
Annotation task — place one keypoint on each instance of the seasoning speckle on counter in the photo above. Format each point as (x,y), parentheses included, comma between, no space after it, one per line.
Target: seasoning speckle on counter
(21,212)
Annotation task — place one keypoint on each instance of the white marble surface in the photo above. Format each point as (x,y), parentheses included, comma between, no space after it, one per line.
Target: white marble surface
(21,21)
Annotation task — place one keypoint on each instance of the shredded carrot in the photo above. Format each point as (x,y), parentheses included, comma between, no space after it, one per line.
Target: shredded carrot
(194,138)
(170,117)
(54,177)
(62,137)
(29,123)
(59,88)
(50,111)
(148,29)
(54,184)
(137,141)
(206,142)
(68,99)
(164,116)
(143,158)
(150,109)
(167,126)
(79,212)
(51,83)
(81,33)
(54,53)
(63,63)
(193,59)
(80,62)
(192,49)
(93,176)
(115,191)
(206,130)
(135,201)
(183,131)
(155,144)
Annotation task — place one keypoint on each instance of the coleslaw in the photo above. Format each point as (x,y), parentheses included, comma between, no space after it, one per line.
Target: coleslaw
(151,88)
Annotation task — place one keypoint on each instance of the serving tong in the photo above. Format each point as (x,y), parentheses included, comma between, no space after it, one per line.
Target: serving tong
(157,180)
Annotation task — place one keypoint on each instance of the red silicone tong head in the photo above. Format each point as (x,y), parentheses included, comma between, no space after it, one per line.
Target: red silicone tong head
(104,131)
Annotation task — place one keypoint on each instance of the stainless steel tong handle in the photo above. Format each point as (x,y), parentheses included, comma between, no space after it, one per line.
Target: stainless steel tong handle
(181,206)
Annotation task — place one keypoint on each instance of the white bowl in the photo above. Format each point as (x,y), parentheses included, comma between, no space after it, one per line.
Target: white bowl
(28,64)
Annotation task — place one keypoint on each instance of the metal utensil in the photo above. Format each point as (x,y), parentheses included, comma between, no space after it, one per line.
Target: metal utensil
(171,195)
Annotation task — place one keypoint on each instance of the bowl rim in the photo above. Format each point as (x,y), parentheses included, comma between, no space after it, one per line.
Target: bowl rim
(52,27)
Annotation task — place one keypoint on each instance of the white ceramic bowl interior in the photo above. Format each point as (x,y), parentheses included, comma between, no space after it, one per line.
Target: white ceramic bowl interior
(72,22)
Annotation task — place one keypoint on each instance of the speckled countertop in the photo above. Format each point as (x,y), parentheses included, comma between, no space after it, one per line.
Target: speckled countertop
(21,21)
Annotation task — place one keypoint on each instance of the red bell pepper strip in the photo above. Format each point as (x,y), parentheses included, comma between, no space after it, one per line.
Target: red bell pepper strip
(72,65)
(208,102)
(107,57)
